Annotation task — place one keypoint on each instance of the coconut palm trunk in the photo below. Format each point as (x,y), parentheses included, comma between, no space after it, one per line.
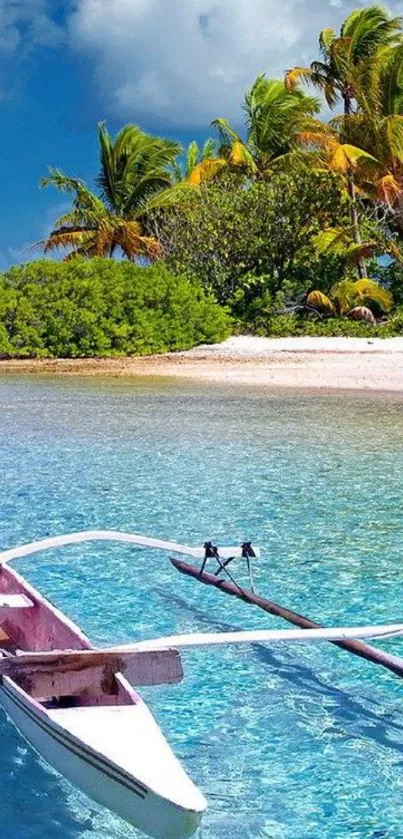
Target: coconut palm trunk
(362,268)
(348,95)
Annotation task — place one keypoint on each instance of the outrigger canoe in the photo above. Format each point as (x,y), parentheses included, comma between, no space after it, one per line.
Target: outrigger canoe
(96,731)
(75,705)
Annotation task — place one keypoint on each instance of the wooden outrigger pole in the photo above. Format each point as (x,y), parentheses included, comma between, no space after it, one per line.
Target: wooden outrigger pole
(75,705)
(358,648)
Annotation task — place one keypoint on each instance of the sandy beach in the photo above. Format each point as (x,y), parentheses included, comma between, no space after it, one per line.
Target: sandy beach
(305,363)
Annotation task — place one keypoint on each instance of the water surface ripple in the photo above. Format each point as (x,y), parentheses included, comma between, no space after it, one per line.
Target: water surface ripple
(301,743)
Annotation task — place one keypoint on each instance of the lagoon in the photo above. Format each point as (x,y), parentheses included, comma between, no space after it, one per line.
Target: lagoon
(301,743)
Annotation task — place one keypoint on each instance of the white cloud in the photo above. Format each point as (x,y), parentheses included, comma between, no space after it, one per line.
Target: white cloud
(24,26)
(26,23)
(187,61)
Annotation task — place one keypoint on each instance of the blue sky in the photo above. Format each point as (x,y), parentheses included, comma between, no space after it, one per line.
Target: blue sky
(169,65)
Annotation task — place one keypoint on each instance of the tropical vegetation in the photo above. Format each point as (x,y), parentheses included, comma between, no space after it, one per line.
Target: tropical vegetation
(133,177)
(103,307)
(251,248)
(294,222)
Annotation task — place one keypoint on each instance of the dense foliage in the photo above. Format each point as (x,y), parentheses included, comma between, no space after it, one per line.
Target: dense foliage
(279,326)
(278,220)
(102,307)
(252,244)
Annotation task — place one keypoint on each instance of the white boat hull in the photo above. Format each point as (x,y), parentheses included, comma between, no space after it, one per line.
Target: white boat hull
(130,797)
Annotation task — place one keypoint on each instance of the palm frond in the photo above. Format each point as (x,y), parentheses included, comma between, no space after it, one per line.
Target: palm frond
(393,250)
(239,155)
(107,178)
(320,301)
(233,149)
(345,296)
(371,291)
(67,238)
(326,37)
(84,198)
(205,170)
(62,182)
(357,155)
(128,237)
(365,292)
(295,75)
(388,190)
(369,29)
(177,172)
(391,80)
(274,114)
(362,313)
(393,128)
(339,160)
(192,157)
(133,166)
(209,148)
(226,133)
(81,217)
(339,242)
(333,239)
(356,252)
(330,94)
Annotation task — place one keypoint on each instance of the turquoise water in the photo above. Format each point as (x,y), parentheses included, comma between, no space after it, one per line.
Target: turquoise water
(287,743)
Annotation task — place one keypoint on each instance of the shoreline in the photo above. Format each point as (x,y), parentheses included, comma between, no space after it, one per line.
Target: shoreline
(299,363)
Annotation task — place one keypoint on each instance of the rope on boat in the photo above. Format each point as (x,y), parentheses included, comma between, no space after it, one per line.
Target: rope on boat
(212,552)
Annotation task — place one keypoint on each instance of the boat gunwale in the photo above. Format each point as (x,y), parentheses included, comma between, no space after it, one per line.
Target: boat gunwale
(41,601)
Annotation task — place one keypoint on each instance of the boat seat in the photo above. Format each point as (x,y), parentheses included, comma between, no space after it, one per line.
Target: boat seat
(15,601)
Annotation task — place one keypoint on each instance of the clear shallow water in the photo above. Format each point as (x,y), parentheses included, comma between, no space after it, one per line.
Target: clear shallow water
(301,743)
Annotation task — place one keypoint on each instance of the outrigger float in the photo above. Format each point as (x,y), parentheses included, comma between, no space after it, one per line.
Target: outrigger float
(76,706)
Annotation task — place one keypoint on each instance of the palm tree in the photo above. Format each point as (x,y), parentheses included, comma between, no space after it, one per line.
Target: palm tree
(367,147)
(350,64)
(378,130)
(274,115)
(134,177)
(344,73)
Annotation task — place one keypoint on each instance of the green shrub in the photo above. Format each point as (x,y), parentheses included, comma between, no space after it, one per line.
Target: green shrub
(282,326)
(103,307)
(248,239)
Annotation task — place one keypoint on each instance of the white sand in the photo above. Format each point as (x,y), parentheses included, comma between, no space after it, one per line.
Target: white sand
(241,346)
(303,363)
